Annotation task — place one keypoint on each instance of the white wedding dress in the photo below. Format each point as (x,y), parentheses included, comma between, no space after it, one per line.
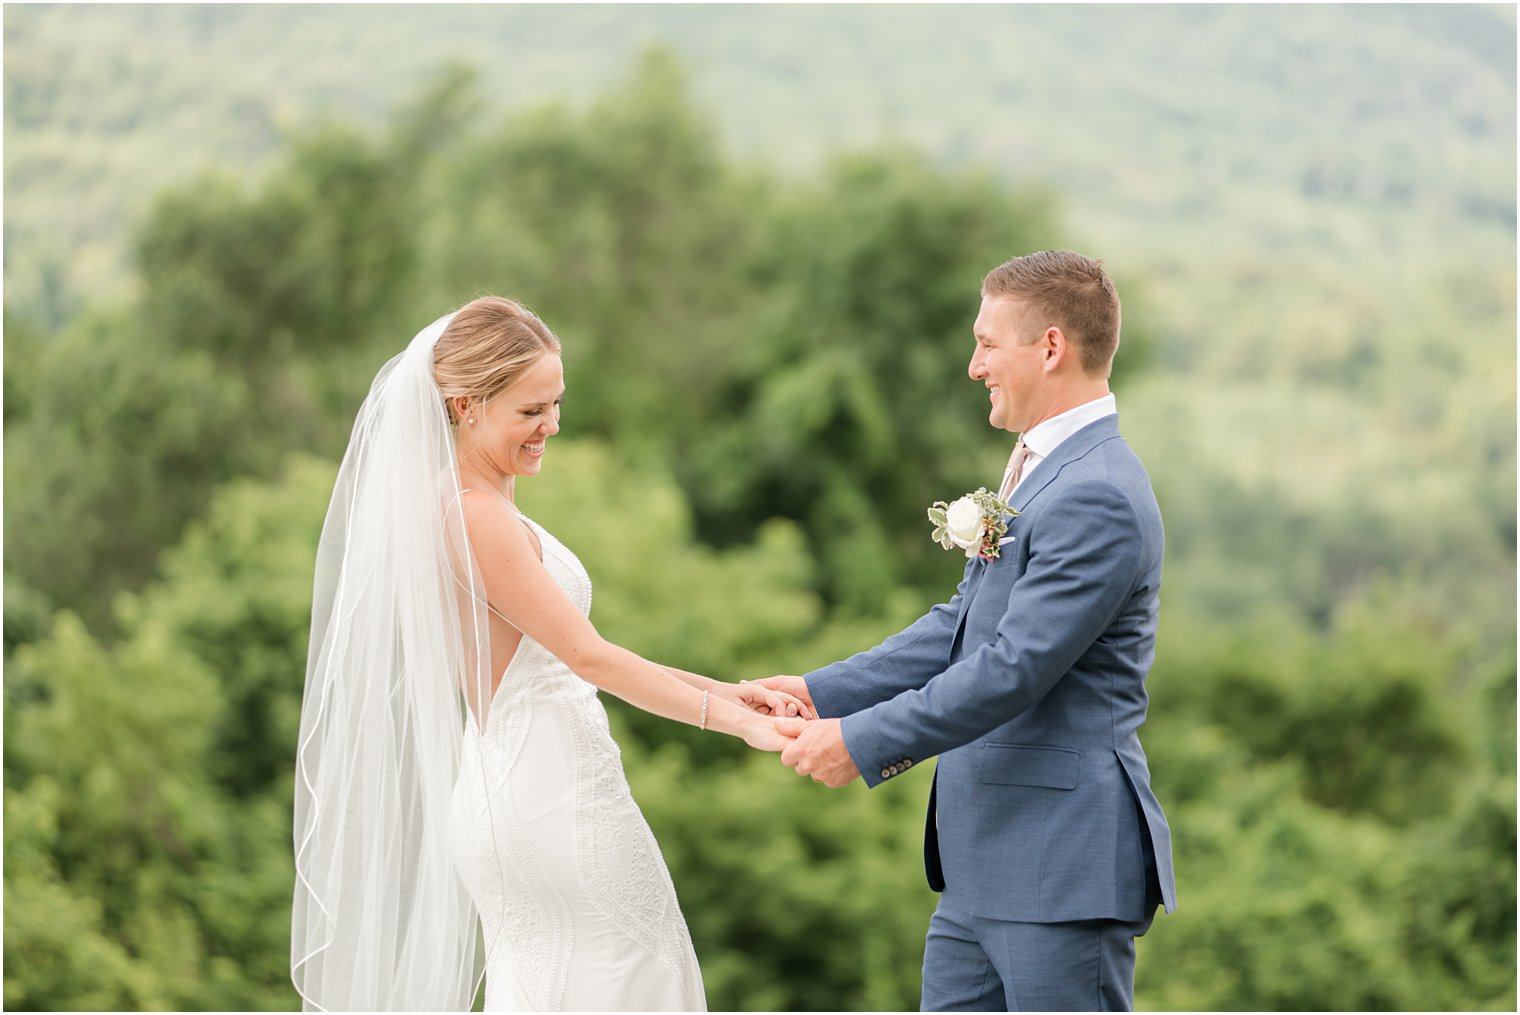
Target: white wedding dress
(577,909)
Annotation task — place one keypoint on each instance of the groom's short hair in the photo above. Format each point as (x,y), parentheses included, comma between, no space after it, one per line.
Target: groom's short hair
(1067,290)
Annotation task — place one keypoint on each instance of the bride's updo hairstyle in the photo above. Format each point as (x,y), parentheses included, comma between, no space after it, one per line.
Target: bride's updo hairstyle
(486,347)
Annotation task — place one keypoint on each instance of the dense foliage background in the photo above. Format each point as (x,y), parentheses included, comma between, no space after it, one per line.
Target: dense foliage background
(760,241)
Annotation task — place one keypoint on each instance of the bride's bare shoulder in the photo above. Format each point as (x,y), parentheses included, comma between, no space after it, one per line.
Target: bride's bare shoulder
(496,528)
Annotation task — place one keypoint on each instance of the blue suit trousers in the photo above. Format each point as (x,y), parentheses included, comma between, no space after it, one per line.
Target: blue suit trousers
(973,963)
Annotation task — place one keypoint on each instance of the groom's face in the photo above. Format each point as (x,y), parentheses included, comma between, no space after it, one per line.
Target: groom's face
(1012,371)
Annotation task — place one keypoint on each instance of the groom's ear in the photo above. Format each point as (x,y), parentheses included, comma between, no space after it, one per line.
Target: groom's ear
(1055,348)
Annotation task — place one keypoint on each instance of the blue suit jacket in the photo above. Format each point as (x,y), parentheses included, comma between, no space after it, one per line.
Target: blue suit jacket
(1030,686)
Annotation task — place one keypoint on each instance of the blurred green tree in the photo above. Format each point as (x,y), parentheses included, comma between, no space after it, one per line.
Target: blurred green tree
(258,325)
(1329,810)
(116,448)
(148,784)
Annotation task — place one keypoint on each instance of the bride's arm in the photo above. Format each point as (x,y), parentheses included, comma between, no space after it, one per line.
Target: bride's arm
(520,589)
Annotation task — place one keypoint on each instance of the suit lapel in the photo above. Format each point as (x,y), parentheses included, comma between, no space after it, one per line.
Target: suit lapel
(1070,450)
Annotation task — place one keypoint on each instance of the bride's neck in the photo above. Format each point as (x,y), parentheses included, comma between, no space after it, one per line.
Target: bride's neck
(471,475)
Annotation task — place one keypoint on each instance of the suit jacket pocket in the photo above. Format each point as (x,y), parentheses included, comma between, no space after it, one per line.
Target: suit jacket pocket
(1018,765)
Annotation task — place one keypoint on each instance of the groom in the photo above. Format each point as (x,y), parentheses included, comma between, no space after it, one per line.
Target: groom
(1043,835)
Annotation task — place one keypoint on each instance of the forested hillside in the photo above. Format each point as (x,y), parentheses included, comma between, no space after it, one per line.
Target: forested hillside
(760,240)
(1384,134)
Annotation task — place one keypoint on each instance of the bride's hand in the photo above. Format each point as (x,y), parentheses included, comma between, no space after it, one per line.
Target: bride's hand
(762,699)
(765,733)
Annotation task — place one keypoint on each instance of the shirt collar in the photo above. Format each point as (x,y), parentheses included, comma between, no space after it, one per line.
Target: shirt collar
(1045,436)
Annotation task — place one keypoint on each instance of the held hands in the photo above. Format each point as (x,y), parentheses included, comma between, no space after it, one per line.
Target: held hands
(818,750)
(762,697)
(787,722)
(788,684)
(767,734)
(776,710)
(813,747)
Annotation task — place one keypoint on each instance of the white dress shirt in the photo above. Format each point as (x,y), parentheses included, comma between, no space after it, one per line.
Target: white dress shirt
(1044,437)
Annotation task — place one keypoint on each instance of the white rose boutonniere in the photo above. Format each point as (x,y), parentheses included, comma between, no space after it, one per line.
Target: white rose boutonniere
(974,523)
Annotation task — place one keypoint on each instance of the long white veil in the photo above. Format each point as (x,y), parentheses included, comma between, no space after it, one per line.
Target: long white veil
(380,919)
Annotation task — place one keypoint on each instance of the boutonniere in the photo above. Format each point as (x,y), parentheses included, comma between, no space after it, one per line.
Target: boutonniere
(975,523)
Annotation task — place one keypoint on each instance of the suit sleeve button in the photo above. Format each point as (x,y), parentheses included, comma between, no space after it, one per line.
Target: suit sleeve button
(886,773)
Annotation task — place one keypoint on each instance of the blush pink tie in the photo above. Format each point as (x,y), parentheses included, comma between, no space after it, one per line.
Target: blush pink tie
(1016,461)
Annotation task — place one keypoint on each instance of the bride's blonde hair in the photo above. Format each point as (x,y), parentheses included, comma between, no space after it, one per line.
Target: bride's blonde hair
(486,347)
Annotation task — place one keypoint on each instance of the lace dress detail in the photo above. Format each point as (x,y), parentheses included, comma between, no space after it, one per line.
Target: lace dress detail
(633,887)
(578,910)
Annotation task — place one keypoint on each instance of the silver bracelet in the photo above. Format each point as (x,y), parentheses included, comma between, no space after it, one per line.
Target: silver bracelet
(702,724)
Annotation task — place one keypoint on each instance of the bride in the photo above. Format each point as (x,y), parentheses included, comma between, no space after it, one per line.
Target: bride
(460,806)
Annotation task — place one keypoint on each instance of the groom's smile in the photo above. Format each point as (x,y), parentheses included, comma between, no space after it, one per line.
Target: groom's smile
(1003,363)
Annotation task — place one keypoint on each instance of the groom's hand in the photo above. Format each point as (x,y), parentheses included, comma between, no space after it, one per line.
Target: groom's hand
(819,752)
(787,684)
